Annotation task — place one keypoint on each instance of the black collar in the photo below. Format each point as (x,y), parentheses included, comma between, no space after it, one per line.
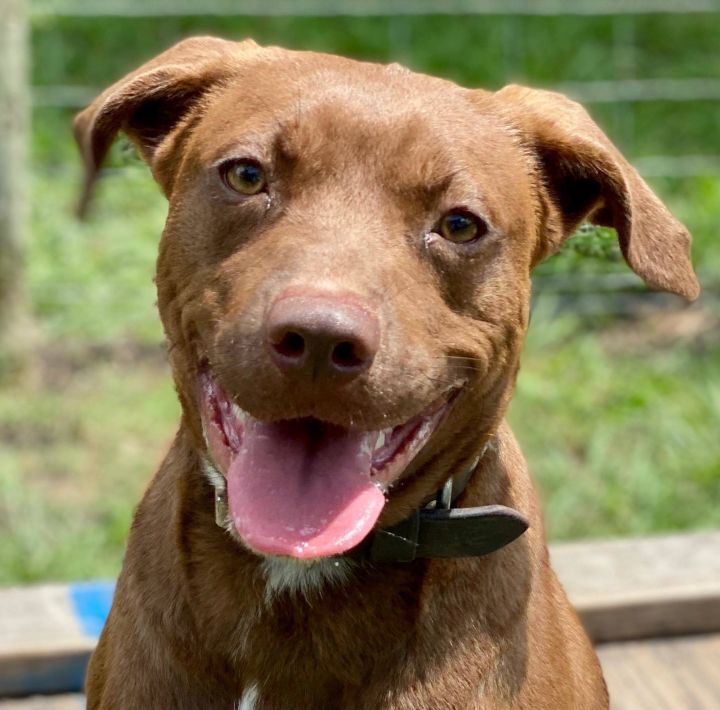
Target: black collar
(440,534)
(440,531)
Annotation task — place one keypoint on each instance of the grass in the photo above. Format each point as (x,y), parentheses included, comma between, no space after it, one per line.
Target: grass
(93,280)
(621,433)
(79,446)
(618,419)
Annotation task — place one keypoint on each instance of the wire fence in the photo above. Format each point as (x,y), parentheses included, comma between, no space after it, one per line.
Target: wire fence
(625,93)
(335,8)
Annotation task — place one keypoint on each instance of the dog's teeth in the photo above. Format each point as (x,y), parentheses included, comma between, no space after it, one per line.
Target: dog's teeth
(381,441)
(239,414)
(382,487)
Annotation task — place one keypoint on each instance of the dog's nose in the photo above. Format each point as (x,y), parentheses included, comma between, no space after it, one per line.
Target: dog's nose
(319,336)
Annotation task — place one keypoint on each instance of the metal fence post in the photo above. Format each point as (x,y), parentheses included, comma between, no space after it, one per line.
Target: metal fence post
(14,131)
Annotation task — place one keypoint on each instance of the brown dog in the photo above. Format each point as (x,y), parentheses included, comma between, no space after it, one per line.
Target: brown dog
(344,281)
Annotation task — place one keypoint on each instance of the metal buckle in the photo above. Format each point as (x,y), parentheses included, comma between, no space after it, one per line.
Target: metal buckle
(222,512)
(444,498)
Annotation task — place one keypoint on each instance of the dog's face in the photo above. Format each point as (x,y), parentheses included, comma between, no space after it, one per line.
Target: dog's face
(344,273)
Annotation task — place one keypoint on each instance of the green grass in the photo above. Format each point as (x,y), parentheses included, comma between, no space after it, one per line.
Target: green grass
(621,435)
(618,419)
(79,444)
(93,280)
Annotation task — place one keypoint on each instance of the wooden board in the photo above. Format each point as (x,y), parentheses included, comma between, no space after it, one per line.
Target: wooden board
(657,674)
(47,633)
(663,674)
(623,589)
(643,587)
(45,702)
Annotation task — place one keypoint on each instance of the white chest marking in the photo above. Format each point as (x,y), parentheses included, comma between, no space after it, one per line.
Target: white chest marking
(284,574)
(249,698)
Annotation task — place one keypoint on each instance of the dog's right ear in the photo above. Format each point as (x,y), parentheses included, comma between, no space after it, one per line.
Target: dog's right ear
(148,104)
(586,178)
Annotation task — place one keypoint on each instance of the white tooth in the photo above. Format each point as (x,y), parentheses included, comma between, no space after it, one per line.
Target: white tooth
(381,441)
(419,439)
(240,415)
(382,487)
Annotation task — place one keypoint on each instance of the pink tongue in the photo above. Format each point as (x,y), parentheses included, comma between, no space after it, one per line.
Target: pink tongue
(302,488)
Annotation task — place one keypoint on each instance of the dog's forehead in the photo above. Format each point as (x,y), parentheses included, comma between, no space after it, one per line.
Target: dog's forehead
(319,104)
(280,73)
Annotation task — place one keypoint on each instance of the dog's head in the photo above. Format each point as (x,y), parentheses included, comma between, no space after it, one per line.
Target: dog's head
(344,276)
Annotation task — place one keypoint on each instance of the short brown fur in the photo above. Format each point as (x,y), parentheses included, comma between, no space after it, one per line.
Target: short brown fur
(364,160)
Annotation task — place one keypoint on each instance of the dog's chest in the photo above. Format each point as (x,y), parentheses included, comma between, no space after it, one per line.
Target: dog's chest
(309,647)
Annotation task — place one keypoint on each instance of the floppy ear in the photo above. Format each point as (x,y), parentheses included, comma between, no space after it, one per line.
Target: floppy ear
(152,101)
(586,178)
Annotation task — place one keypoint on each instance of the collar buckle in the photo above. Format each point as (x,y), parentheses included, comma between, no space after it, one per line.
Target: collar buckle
(444,498)
(222,511)
(439,531)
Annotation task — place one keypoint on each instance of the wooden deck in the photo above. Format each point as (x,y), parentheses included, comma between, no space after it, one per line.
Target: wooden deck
(659,674)
(45,702)
(651,604)
(645,587)
(664,674)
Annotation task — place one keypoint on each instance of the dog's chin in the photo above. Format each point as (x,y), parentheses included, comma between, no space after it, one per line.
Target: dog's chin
(305,489)
(299,577)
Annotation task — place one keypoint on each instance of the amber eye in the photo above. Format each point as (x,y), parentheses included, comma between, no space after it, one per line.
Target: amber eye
(244,176)
(460,227)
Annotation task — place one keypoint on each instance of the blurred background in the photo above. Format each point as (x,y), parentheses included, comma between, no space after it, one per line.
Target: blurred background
(618,400)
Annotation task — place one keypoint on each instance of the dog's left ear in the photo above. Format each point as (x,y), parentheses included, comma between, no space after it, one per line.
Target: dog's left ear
(586,178)
(148,104)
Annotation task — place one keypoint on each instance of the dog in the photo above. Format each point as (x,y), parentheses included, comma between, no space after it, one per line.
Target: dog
(344,283)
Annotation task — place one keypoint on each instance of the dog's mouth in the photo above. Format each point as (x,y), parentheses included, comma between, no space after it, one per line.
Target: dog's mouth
(305,488)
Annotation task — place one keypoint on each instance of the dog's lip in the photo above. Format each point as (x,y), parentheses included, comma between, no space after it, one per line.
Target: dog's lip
(395,447)
(398,446)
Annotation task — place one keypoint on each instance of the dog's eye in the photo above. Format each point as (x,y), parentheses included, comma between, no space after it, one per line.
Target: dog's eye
(460,227)
(244,176)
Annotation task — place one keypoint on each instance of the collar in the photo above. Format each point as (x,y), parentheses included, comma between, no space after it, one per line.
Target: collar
(436,531)
(441,531)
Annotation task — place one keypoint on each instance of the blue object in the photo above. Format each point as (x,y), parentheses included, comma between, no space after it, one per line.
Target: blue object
(91,603)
